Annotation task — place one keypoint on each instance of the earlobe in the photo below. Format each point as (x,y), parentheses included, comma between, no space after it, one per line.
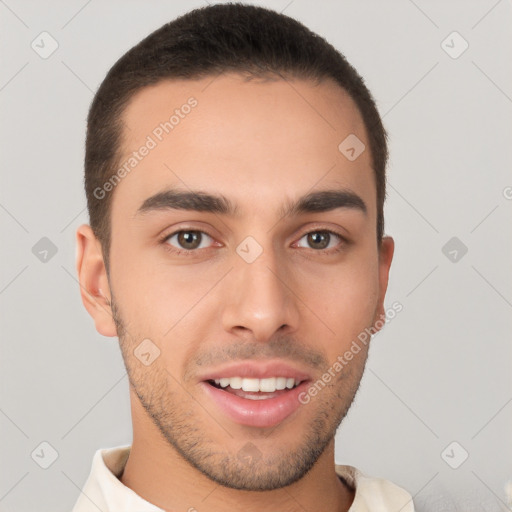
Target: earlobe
(386,251)
(93,279)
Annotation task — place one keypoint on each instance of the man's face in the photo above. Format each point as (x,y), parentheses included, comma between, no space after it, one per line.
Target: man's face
(253,293)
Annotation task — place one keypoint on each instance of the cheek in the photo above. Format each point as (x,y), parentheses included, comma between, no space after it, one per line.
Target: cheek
(163,304)
(349,301)
(155,295)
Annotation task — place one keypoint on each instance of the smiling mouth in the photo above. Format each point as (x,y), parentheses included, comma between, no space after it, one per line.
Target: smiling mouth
(255,389)
(256,402)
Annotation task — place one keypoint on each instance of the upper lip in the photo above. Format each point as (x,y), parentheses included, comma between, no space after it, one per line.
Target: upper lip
(256,370)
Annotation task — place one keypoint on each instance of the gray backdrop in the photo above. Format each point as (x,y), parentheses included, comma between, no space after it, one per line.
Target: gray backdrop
(434,411)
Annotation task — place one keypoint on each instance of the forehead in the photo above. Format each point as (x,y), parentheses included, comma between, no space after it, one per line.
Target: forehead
(265,140)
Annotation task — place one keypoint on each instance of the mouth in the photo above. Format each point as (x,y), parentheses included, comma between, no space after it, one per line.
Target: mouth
(255,402)
(256,389)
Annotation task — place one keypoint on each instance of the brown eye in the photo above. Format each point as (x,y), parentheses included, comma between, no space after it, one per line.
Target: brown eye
(188,240)
(321,240)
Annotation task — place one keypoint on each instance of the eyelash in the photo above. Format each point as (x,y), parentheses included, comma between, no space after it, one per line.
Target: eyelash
(193,252)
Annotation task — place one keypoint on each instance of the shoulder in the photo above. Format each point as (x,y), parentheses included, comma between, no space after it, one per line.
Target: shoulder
(374,494)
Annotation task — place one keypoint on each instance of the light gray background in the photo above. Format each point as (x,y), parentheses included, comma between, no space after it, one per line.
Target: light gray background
(439,372)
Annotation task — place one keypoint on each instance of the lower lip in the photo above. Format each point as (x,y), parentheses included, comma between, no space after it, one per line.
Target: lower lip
(256,413)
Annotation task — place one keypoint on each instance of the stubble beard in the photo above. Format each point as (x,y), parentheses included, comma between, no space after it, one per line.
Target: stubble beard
(168,407)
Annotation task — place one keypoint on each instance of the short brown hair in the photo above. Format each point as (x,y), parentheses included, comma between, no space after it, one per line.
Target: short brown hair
(245,39)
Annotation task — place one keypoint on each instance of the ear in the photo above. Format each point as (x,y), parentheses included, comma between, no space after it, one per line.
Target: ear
(386,251)
(93,279)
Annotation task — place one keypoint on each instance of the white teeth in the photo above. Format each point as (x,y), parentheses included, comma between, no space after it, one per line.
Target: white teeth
(235,382)
(268,385)
(280,383)
(251,384)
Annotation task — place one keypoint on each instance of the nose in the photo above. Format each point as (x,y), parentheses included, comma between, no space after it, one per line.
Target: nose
(260,299)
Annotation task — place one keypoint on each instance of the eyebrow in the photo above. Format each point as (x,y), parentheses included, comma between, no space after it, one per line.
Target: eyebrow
(314,202)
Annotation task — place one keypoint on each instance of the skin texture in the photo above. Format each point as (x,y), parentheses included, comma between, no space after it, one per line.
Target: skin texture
(260,144)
